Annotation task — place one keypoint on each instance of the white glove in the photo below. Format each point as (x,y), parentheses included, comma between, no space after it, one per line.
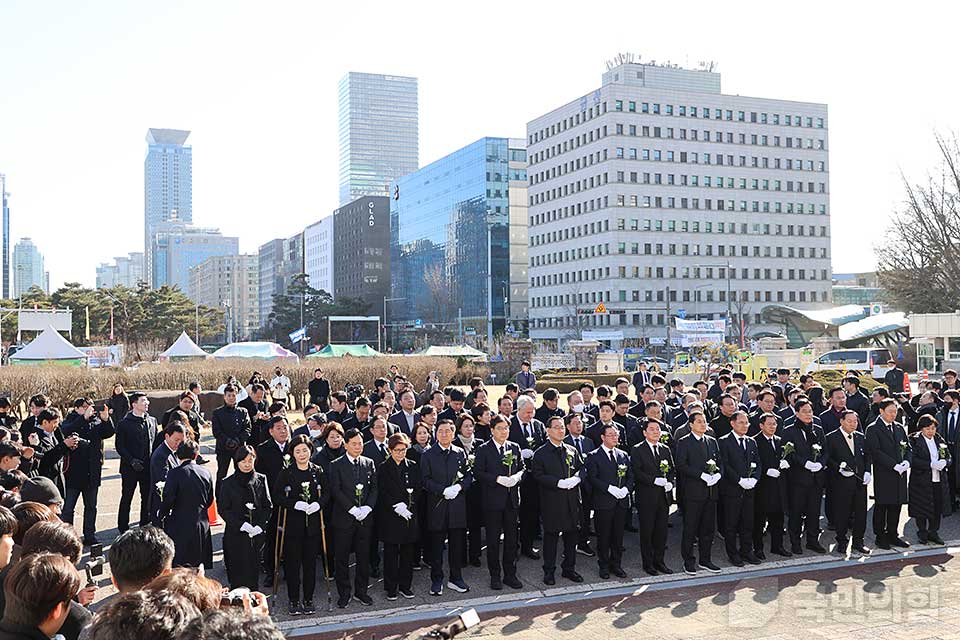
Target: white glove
(574,481)
(660,482)
(302,506)
(784,464)
(899,468)
(774,473)
(939,465)
(906,464)
(706,477)
(526,454)
(355,512)
(624,492)
(504,481)
(246,527)
(255,531)
(716,478)
(364,512)
(451,492)
(517,477)
(753,482)
(398,508)
(812,467)
(614,491)
(744,483)
(563,483)
(668,487)
(846,473)
(405,513)
(866,477)
(314,507)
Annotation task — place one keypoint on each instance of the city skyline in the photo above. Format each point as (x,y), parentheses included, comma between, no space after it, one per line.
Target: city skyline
(235,98)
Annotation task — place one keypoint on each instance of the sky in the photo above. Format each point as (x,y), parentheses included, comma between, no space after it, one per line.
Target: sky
(256,83)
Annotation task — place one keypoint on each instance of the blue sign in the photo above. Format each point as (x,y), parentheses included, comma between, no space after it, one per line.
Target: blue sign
(681,313)
(418,323)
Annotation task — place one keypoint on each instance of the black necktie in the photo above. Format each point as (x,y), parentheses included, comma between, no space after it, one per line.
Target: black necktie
(356,470)
(611,456)
(577,441)
(952,428)
(500,450)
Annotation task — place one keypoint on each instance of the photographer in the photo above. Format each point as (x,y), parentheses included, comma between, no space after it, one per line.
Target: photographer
(39,591)
(51,448)
(85,462)
(134,440)
(231,428)
(258,408)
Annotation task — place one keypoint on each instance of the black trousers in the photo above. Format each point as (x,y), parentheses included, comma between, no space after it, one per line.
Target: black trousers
(240,557)
(886,521)
(374,546)
(90,495)
(652,524)
(551,540)
(585,507)
(610,524)
(454,539)
(530,513)
(223,465)
(773,521)
(805,513)
(129,481)
(952,475)
(300,556)
(738,523)
(926,526)
(849,504)
(699,523)
(497,522)
(355,538)
(270,541)
(397,566)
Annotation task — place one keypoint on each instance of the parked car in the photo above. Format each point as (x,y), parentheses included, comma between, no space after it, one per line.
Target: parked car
(867,361)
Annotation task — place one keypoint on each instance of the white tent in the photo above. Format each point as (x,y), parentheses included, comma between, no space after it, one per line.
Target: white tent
(265,350)
(182,349)
(49,346)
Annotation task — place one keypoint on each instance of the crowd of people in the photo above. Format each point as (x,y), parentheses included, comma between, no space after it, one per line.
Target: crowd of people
(403,477)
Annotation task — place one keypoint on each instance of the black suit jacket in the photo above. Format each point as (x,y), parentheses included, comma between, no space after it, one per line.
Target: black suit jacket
(440,470)
(602,473)
(372,450)
(231,425)
(343,480)
(837,451)
(559,508)
(804,451)
(393,482)
(646,469)
(736,464)
(771,492)
(692,456)
(270,462)
(517,436)
(487,466)
(187,494)
(399,420)
(886,449)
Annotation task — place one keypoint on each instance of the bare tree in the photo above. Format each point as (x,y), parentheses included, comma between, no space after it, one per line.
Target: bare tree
(919,257)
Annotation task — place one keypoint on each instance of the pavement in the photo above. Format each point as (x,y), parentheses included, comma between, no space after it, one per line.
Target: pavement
(563,598)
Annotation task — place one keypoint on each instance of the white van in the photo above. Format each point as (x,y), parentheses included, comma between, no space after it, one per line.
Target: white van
(870,361)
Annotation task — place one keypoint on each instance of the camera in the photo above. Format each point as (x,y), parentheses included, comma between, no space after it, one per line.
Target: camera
(95,564)
(353,392)
(234,598)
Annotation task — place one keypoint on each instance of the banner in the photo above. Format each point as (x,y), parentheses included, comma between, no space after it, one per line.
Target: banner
(700,339)
(602,335)
(701,326)
(298,335)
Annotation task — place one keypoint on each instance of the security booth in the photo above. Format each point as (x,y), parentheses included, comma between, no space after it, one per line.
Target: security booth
(937,336)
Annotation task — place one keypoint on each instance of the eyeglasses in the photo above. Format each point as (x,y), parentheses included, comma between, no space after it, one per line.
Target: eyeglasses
(399,449)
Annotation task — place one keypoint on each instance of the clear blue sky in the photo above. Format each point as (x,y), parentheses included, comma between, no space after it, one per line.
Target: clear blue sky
(81,82)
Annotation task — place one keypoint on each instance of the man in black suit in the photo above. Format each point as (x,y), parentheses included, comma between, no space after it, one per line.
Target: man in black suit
(499,468)
(584,446)
(351,521)
(528,433)
(856,400)
(607,416)
(405,420)
(628,424)
(721,424)
(550,406)
(446,479)
(890,455)
(52,447)
(641,378)
(698,461)
(134,440)
(270,461)
(83,465)
(187,495)
(848,474)
(653,476)
(830,417)
(771,500)
(360,419)
(741,473)
(257,407)
(893,378)
(610,477)
(766,403)
(558,470)
(454,407)
(376,449)
(163,460)
(231,428)
(948,426)
(339,409)
(805,478)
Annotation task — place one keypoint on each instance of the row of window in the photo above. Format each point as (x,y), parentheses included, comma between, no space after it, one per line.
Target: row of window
(684,273)
(579,299)
(719,182)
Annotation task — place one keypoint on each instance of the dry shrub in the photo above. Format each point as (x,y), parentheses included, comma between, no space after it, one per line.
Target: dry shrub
(64,384)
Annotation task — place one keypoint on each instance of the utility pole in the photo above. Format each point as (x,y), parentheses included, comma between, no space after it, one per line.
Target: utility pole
(669,320)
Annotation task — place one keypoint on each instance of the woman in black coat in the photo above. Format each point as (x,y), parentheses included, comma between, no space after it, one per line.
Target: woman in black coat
(119,403)
(246,507)
(300,490)
(332,437)
(467,440)
(319,389)
(398,506)
(422,439)
(927,490)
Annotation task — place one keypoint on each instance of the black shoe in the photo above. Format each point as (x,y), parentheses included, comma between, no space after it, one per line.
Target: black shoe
(750,558)
(796,549)
(294,608)
(549,579)
(709,566)
(363,599)
(476,562)
(308,607)
(572,575)
(859,548)
(882,544)
(935,538)
(342,602)
(496,584)
(436,588)
(604,574)
(816,546)
(585,550)
(664,569)
(780,551)
(391,597)
(531,553)
(650,570)
(405,593)
(735,561)
(512,582)
(630,527)
(899,542)
(268,580)
(760,555)
(690,568)
(374,572)
(619,572)
(841,547)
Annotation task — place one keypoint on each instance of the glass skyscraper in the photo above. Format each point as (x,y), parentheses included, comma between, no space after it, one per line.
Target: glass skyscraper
(167,190)
(378,132)
(450,225)
(27,267)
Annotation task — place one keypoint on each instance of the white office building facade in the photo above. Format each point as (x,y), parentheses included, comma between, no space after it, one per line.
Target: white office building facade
(318,254)
(657,194)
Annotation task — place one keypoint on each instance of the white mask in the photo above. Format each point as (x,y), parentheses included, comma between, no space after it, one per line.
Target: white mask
(577,408)
(315,434)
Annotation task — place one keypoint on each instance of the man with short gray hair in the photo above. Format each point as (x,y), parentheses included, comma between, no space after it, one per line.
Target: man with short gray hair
(529,434)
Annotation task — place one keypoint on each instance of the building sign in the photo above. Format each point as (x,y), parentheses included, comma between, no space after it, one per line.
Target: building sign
(711,326)
(601,335)
(371,218)
(600,308)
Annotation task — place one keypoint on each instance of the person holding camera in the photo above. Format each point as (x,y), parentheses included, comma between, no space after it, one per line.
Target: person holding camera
(133,441)
(50,448)
(246,507)
(231,429)
(84,464)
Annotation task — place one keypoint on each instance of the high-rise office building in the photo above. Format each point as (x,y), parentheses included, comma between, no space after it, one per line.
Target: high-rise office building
(229,283)
(126,271)
(167,189)
(378,133)
(28,268)
(660,196)
(278,262)
(456,240)
(318,254)
(5,209)
(361,241)
(179,246)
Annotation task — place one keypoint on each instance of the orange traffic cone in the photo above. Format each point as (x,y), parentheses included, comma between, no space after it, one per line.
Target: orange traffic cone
(906,380)
(212,514)
(926,376)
